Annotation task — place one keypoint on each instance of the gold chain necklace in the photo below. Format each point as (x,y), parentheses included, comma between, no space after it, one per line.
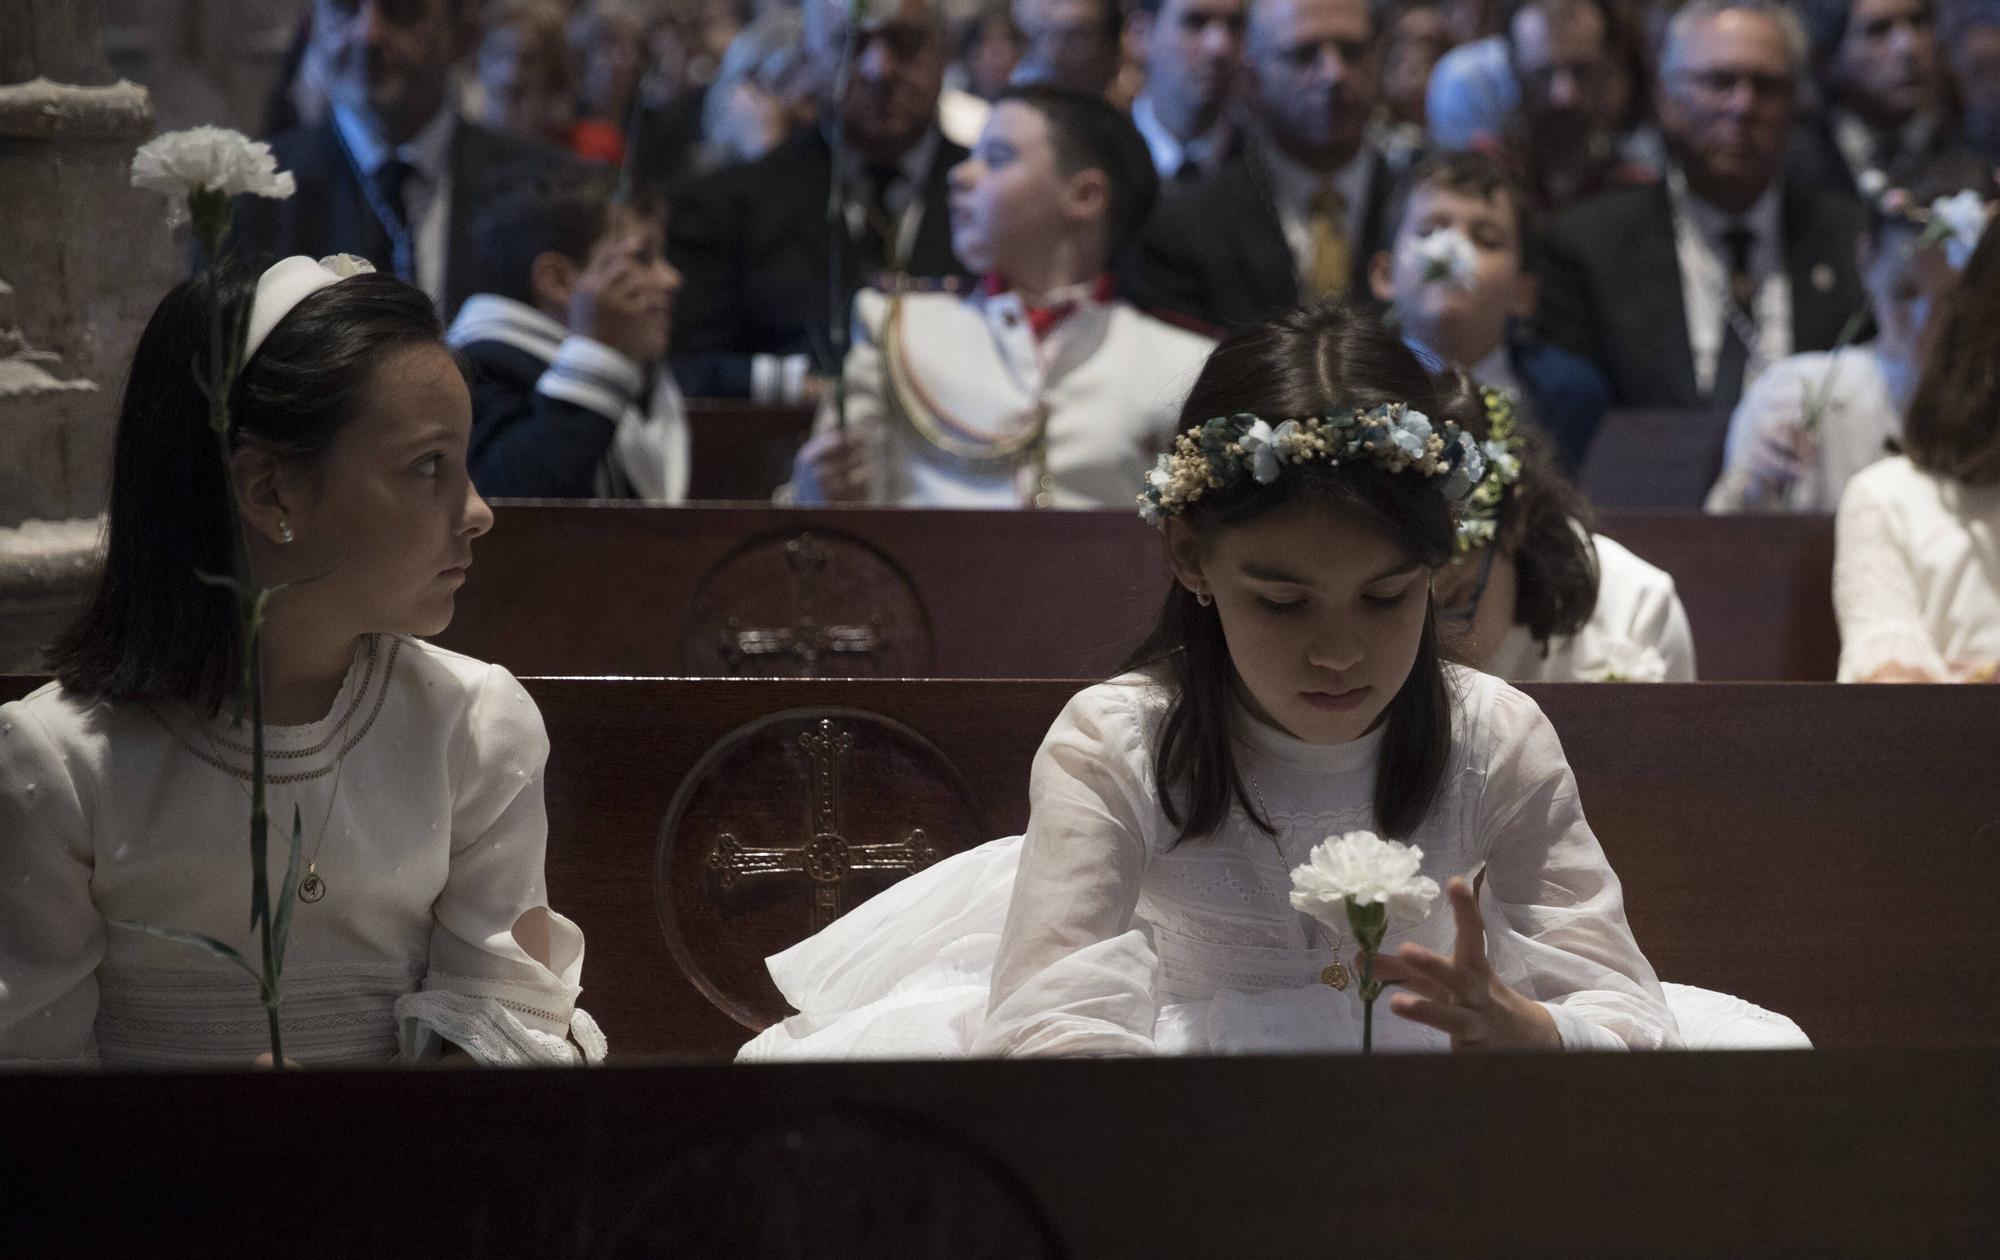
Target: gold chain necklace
(1335,973)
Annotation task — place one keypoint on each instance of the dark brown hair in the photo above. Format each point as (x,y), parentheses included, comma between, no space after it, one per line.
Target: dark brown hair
(1953,426)
(153,630)
(1089,134)
(1545,525)
(1480,177)
(1321,359)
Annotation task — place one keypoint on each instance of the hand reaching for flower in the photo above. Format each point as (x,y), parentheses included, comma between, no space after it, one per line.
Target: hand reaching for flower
(1461,995)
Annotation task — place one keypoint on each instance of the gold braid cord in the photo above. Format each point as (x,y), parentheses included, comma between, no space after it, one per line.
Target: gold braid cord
(911,404)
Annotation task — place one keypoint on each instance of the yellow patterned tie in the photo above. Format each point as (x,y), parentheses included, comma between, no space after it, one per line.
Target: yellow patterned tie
(1332,260)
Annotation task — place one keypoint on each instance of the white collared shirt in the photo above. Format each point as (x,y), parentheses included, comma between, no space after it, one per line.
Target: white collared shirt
(1293,188)
(427,194)
(1169,151)
(1704,267)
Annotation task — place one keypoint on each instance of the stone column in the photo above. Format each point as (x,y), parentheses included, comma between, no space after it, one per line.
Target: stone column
(87,257)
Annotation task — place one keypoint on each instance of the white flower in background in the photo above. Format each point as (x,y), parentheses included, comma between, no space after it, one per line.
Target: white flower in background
(1963,215)
(1628,662)
(1366,870)
(211,160)
(1444,257)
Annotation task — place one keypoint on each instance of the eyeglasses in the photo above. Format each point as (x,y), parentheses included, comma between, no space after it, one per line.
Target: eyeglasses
(1714,87)
(1460,616)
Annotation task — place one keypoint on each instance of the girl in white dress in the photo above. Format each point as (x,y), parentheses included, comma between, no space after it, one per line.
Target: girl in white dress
(1292,689)
(422,919)
(1916,567)
(1535,595)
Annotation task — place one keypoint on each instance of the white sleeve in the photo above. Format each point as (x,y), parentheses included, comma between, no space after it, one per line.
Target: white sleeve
(1875,596)
(1662,624)
(1771,405)
(1072,975)
(1555,914)
(51,934)
(484,992)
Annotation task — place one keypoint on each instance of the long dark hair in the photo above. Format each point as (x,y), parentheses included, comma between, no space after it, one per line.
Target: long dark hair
(153,630)
(1545,523)
(1314,361)
(1953,426)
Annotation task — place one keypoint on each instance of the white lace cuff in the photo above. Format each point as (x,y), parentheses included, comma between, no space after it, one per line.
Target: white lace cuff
(490,1031)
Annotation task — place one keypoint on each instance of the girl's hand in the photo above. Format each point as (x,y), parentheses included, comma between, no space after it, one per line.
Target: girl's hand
(1460,995)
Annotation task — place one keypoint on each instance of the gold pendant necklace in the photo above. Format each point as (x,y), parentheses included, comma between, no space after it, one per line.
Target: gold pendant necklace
(1335,974)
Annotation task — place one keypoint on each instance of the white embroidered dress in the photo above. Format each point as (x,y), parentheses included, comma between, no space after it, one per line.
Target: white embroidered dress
(1916,573)
(431,851)
(1117,941)
(1638,632)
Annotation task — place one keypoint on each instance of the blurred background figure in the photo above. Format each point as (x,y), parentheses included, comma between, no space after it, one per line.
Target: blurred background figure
(611,43)
(762,91)
(1415,36)
(1076,44)
(1884,93)
(1187,112)
(522,83)
(1972,46)
(987,47)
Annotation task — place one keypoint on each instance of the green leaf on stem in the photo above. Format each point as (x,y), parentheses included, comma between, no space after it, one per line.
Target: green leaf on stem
(227,953)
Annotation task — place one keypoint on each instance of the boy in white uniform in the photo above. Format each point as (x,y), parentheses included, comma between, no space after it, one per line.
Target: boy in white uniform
(1040,388)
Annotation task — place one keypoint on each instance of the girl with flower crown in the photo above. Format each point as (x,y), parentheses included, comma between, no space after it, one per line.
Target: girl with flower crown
(422,920)
(1292,689)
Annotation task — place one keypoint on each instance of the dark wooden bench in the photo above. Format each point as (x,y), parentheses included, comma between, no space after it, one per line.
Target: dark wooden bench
(1864,1153)
(730,591)
(1654,458)
(1819,850)
(740,450)
(1824,851)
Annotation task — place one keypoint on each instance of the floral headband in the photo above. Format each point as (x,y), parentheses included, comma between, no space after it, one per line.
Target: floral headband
(1481,522)
(1219,454)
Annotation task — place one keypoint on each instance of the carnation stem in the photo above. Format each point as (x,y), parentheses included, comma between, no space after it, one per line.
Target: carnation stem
(1368,994)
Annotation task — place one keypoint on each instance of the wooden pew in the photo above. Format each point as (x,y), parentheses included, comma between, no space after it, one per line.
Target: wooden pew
(1819,850)
(742,451)
(1798,846)
(1858,1153)
(729,591)
(1654,458)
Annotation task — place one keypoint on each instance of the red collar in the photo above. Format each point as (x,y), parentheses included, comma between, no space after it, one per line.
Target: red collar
(1042,320)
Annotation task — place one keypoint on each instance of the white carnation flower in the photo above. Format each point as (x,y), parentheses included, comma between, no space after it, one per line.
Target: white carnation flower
(1627,661)
(1363,868)
(1444,257)
(1964,217)
(210,159)
(347,265)
(1259,446)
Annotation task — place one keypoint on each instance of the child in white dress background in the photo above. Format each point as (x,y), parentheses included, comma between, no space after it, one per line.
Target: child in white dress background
(1292,689)
(1916,568)
(1535,595)
(416,773)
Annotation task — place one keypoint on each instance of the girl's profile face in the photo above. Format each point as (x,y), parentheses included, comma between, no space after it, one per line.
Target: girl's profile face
(386,517)
(1322,612)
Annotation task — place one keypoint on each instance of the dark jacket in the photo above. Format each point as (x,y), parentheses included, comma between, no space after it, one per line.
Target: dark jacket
(753,246)
(1611,288)
(329,214)
(1216,252)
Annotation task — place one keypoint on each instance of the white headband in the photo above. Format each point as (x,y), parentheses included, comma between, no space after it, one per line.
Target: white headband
(290,281)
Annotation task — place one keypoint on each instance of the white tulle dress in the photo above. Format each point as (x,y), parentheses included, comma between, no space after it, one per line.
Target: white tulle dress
(1096,934)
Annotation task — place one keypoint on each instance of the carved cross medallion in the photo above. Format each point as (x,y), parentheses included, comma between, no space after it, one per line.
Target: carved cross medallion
(824,857)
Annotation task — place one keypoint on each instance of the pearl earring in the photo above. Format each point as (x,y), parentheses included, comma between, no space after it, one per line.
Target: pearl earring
(1203,598)
(284,531)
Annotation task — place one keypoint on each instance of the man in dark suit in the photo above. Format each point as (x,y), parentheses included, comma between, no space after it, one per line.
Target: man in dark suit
(753,242)
(393,174)
(1194,53)
(1882,78)
(1300,212)
(1681,291)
